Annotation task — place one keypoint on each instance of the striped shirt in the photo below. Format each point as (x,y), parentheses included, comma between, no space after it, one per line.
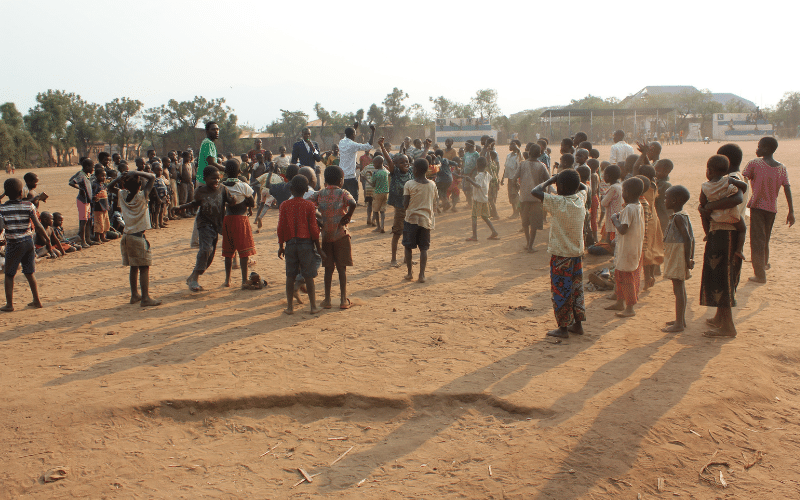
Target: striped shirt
(17,217)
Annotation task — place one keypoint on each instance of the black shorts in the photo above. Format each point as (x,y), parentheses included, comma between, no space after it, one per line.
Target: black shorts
(416,236)
(300,258)
(367,199)
(21,251)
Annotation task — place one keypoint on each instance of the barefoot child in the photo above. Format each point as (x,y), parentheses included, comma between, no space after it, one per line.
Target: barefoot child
(210,199)
(336,206)
(568,210)
(380,194)
(299,232)
(419,198)
(678,253)
(718,186)
(629,224)
(133,244)
(81,182)
(480,199)
(58,233)
(236,233)
(100,204)
(663,169)
(399,175)
(530,174)
(17,216)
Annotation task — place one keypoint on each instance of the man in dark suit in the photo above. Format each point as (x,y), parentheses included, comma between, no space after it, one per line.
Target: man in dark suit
(307,154)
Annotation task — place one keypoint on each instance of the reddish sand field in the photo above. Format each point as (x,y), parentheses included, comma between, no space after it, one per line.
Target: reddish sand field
(439,390)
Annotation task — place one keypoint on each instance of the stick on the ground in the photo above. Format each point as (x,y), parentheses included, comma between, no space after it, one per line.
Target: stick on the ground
(269,450)
(342,455)
(305,475)
(41,453)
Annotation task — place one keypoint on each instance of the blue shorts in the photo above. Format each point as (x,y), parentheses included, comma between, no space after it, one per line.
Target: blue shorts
(18,252)
(300,258)
(416,236)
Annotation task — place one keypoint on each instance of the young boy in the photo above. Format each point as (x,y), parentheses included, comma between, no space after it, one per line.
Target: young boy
(336,206)
(29,191)
(480,199)
(530,174)
(766,175)
(568,209)
(566,162)
(612,202)
(83,184)
(161,198)
(17,216)
(100,204)
(470,164)
(60,247)
(134,246)
(585,174)
(629,224)
(718,186)
(209,199)
(237,237)
(419,198)
(299,232)
(369,190)
(663,169)
(594,185)
(380,193)
(398,170)
(678,253)
(58,232)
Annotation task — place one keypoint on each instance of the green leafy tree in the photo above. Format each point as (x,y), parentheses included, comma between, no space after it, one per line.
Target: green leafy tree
(15,141)
(376,115)
(185,116)
(443,107)
(394,109)
(84,124)
(120,118)
(290,125)
(155,123)
(324,117)
(485,103)
(48,124)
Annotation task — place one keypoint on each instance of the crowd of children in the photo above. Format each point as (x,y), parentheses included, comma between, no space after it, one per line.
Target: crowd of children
(625,207)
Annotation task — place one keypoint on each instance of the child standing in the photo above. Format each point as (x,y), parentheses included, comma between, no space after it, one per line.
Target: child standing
(398,170)
(100,205)
(629,224)
(336,206)
(236,233)
(653,246)
(470,164)
(369,189)
(568,210)
(299,232)
(530,174)
(419,198)
(83,184)
(766,175)
(16,217)
(718,186)
(678,253)
(480,199)
(161,199)
(380,193)
(663,169)
(133,244)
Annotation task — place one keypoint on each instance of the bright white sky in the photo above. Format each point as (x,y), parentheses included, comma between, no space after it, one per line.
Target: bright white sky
(262,56)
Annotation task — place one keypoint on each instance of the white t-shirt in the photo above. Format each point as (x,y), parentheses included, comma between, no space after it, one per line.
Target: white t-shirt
(481,193)
(348,149)
(628,251)
(239,191)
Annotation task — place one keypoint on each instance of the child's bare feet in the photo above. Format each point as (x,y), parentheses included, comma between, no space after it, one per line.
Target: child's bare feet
(136,298)
(315,310)
(288,311)
(576,328)
(36,303)
(494,236)
(297,297)
(227,284)
(394,264)
(709,322)
(7,308)
(409,277)
(148,302)
(673,328)
(421,278)
(616,306)
(613,297)
(559,333)
(628,312)
(326,304)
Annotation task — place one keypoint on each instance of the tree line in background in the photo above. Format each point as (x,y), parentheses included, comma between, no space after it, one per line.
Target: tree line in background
(62,122)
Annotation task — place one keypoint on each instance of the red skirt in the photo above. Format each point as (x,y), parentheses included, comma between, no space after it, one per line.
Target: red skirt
(628,283)
(237,236)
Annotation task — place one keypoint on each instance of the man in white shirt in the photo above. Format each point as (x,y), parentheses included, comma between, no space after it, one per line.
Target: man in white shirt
(348,150)
(621,150)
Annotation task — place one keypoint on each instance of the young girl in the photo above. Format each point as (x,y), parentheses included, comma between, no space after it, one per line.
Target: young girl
(678,253)
(653,250)
(628,252)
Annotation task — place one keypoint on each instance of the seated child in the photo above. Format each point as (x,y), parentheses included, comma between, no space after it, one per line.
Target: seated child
(568,209)
(419,199)
(480,199)
(18,216)
(298,235)
(718,186)
(41,242)
(58,232)
(336,206)
(628,252)
(678,253)
(237,236)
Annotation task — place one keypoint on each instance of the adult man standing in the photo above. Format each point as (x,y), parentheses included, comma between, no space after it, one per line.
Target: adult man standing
(348,150)
(208,152)
(256,149)
(307,154)
(620,150)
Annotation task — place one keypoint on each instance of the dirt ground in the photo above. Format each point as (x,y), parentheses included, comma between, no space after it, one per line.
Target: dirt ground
(439,390)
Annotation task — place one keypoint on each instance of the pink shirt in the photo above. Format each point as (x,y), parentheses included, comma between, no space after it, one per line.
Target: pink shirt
(766,182)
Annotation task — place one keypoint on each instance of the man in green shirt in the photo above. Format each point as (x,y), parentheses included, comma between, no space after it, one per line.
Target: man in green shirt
(208,152)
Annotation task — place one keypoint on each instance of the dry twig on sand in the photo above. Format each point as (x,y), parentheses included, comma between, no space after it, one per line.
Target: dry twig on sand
(342,455)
